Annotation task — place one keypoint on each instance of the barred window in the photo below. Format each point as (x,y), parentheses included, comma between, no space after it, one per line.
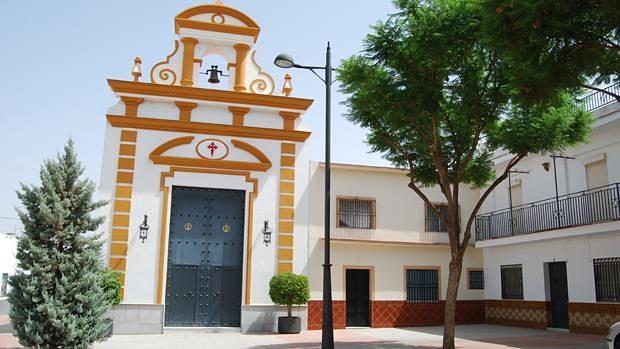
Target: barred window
(422,285)
(356,213)
(607,279)
(433,223)
(512,281)
(476,280)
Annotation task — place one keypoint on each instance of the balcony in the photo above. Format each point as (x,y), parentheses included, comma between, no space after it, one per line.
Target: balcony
(599,99)
(592,206)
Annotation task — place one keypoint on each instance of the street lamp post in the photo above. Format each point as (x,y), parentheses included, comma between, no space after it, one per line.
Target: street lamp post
(286,61)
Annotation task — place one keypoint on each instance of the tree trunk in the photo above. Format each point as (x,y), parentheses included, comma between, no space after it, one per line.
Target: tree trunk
(456,266)
(290,310)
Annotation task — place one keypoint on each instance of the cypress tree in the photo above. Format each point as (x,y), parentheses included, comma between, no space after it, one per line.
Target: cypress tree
(56,300)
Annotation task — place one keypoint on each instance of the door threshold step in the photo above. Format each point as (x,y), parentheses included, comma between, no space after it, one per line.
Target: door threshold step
(202,329)
(556,329)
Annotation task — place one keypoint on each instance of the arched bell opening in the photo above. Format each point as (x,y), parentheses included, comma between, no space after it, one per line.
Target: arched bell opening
(214,73)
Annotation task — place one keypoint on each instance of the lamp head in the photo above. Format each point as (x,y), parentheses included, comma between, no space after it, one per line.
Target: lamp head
(284,60)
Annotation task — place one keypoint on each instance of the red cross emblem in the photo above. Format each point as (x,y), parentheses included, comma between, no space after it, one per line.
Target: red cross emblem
(212,147)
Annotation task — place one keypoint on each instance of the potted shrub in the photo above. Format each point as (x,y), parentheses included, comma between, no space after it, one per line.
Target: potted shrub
(110,282)
(289,289)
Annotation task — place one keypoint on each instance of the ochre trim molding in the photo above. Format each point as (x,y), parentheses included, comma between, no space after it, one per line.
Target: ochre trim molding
(171,144)
(252,150)
(131,105)
(288,119)
(187,73)
(206,94)
(238,115)
(208,163)
(218,9)
(241,55)
(164,223)
(207,128)
(185,110)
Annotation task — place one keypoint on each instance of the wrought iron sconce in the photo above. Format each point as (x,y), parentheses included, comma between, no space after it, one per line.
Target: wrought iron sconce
(267,233)
(545,165)
(213,74)
(144,229)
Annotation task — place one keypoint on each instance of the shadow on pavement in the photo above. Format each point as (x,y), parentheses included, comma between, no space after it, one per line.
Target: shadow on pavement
(347,345)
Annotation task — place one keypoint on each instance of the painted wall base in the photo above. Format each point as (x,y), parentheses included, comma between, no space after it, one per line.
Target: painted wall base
(264,318)
(400,313)
(137,318)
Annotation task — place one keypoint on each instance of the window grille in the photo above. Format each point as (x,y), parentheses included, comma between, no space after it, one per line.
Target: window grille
(433,223)
(356,213)
(422,285)
(512,281)
(476,280)
(607,279)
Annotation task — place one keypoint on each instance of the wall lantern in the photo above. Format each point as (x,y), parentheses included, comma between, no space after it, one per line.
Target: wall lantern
(144,229)
(266,233)
(545,165)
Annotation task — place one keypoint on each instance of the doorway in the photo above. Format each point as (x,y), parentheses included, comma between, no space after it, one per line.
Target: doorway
(558,289)
(205,257)
(358,297)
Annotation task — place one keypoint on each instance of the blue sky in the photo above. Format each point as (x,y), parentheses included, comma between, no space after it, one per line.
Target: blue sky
(56,57)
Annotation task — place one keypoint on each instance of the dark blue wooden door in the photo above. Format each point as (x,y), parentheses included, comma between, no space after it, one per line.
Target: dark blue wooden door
(205,257)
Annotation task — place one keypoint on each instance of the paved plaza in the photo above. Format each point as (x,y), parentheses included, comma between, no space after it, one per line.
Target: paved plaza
(468,337)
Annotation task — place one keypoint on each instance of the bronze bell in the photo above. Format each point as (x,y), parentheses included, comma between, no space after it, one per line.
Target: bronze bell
(213,72)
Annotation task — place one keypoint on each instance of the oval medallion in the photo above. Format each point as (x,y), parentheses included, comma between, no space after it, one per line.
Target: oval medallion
(212,149)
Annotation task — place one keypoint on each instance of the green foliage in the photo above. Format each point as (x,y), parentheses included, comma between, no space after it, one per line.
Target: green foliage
(110,282)
(56,301)
(554,45)
(289,289)
(435,99)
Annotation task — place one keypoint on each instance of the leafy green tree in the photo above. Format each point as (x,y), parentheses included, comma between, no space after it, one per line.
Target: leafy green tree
(437,101)
(289,289)
(56,300)
(110,282)
(555,45)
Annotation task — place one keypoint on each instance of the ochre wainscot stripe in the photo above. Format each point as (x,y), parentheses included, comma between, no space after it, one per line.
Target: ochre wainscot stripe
(120,220)
(127,149)
(120,234)
(122,206)
(118,263)
(287,173)
(285,240)
(288,148)
(124,177)
(118,249)
(287,161)
(123,192)
(285,254)
(286,213)
(285,267)
(126,163)
(286,227)
(287,187)
(287,200)
(129,136)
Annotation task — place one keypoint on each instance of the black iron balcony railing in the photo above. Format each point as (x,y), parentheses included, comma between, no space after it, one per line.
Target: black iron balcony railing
(597,205)
(599,99)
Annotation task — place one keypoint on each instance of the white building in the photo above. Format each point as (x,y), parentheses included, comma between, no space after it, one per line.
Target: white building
(549,269)
(8,263)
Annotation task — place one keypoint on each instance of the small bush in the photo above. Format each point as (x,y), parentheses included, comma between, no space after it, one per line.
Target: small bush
(289,289)
(110,282)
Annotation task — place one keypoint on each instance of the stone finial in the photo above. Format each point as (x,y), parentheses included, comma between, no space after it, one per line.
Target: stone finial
(137,69)
(287,88)
(218,2)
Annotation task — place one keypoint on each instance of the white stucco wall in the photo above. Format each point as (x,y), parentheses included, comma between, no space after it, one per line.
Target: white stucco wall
(399,240)
(142,260)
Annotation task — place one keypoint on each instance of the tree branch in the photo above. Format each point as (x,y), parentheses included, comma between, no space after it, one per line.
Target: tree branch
(487,192)
(617,97)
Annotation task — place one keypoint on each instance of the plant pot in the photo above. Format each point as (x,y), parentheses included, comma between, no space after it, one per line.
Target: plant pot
(288,325)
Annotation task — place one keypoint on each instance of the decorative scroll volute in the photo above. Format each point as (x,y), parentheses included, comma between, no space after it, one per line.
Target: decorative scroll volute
(168,72)
(260,81)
